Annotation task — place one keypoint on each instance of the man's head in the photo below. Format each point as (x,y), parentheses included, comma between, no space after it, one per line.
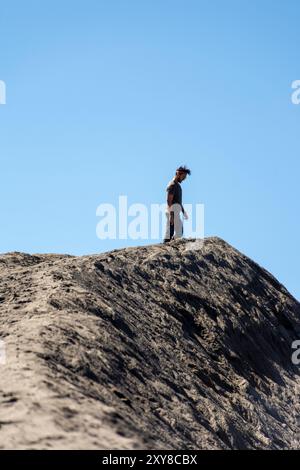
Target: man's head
(182,172)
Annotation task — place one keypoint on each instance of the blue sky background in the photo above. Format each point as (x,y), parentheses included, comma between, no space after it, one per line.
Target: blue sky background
(107,97)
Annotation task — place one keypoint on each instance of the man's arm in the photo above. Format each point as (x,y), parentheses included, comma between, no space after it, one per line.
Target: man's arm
(170,199)
(185,214)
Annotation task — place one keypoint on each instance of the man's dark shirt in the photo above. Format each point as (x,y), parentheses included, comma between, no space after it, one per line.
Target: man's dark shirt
(174,187)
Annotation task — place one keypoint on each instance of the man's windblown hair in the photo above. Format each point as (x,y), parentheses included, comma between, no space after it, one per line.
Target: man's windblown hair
(184,169)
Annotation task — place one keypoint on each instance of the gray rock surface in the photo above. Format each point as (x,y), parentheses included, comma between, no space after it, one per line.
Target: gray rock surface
(156,347)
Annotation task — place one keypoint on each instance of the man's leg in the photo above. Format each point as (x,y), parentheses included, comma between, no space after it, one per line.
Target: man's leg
(178,225)
(169,229)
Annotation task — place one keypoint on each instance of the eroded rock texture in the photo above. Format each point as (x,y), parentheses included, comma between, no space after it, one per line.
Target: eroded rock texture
(159,347)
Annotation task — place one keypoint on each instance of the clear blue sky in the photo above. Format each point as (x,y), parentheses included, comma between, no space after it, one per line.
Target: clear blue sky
(107,97)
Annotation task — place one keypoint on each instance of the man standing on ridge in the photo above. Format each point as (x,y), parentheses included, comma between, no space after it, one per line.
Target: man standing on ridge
(174,225)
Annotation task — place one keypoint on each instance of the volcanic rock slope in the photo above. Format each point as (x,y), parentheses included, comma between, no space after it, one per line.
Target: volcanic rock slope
(177,346)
